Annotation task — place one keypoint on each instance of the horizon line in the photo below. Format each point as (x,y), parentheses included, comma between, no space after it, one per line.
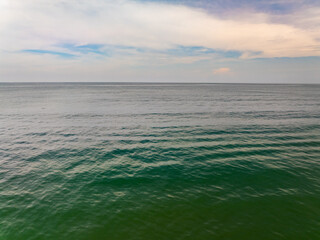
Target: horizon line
(85,82)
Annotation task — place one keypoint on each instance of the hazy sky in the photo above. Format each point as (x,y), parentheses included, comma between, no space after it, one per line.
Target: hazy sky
(260,41)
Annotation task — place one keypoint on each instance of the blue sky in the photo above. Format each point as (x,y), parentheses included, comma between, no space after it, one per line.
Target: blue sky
(274,41)
(274,6)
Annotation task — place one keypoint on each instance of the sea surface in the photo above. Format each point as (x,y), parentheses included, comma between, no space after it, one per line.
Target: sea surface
(82,161)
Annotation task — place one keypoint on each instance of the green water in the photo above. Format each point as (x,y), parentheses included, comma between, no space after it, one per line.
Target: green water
(159,161)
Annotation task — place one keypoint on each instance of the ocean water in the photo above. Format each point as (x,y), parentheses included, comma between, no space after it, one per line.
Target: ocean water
(159,161)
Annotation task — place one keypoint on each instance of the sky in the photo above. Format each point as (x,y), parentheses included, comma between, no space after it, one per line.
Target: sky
(218,41)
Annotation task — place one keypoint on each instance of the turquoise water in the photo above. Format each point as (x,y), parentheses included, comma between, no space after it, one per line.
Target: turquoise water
(159,161)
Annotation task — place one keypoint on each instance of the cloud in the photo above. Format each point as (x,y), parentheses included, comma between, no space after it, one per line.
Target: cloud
(221,71)
(111,38)
(45,24)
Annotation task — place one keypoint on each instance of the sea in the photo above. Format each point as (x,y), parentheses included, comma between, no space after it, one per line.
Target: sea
(159,161)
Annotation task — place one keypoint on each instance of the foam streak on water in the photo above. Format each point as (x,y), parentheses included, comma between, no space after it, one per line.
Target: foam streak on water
(159,161)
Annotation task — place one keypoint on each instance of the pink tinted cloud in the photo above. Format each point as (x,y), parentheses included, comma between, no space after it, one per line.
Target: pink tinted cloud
(221,71)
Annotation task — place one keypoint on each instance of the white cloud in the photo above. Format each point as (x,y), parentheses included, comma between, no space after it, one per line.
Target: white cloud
(44,24)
